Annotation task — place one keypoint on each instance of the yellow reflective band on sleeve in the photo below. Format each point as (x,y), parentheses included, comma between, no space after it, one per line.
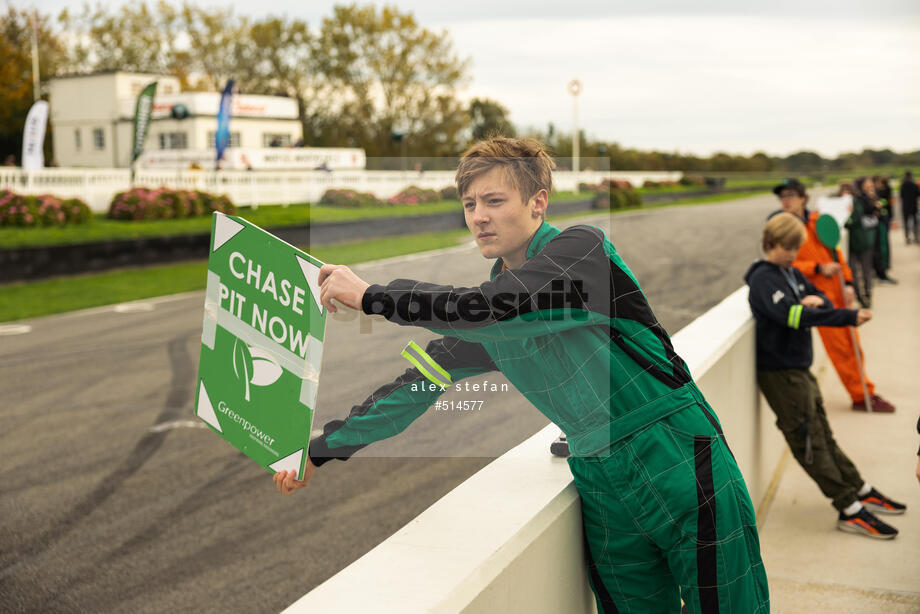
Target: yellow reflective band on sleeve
(429,362)
(795,316)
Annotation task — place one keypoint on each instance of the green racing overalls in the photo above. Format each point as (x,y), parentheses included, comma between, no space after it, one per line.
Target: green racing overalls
(665,508)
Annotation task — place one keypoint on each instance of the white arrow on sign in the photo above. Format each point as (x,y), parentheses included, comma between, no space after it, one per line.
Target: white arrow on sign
(205,410)
(311,274)
(291,462)
(224,230)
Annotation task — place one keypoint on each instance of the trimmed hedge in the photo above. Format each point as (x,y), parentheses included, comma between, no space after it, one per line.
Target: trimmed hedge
(42,210)
(689,180)
(615,194)
(648,183)
(414,195)
(164,203)
(349,198)
(449,193)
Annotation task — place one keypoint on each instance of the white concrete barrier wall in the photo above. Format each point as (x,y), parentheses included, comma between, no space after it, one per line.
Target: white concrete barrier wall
(509,538)
(98,186)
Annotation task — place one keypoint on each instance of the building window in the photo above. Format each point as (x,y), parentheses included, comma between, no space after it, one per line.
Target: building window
(275,139)
(212,139)
(77,139)
(98,138)
(173,140)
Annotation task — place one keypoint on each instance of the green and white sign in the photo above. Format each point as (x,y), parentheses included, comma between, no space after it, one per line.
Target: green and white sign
(261,344)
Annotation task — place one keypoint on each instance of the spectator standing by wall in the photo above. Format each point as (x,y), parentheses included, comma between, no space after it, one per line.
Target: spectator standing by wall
(909,193)
(862,225)
(881,256)
(785,305)
(823,267)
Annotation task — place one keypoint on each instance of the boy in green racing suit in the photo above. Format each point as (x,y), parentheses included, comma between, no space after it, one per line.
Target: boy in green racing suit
(666,512)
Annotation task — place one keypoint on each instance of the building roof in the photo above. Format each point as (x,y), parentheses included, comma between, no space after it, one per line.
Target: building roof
(98,73)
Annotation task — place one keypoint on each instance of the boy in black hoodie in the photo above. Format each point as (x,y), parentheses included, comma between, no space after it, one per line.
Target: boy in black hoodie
(785,307)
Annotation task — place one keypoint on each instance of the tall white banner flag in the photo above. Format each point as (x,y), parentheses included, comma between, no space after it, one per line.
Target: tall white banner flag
(33,139)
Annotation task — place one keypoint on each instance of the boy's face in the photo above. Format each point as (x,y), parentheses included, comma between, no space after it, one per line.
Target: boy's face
(782,256)
(792,202)
(501,222)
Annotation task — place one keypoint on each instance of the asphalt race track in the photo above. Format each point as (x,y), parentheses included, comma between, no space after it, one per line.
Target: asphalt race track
(115,498)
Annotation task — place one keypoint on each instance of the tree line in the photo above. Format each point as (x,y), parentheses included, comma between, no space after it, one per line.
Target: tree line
(363,77)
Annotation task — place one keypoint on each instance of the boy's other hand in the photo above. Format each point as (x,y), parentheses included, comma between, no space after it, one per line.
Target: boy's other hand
(338,282)
(813,301)
(285,482)
(863,316)
(830,269)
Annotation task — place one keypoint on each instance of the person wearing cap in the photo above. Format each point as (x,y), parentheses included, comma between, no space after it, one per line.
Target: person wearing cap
(822,267)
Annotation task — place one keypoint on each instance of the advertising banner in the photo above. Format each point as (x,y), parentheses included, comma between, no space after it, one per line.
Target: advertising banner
(33,138)
(261,344)
(142,111)
(222,137)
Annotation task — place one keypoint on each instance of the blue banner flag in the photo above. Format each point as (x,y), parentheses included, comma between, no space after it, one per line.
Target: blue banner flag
(223,121)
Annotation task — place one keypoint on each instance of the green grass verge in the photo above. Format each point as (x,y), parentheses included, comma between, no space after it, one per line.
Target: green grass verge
(22,300)
(267,216)
(39,298)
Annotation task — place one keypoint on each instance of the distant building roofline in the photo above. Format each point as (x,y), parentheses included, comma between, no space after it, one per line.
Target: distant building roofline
(98,73)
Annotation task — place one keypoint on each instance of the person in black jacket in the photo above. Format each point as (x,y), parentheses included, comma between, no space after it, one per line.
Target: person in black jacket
(881,257)
(785,306)
(862,226)
(909,192)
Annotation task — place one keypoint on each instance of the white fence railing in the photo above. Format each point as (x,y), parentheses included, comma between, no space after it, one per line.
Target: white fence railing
(509,538)
(98,186)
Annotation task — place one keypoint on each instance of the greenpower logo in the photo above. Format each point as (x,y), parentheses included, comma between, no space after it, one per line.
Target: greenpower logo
(254,366)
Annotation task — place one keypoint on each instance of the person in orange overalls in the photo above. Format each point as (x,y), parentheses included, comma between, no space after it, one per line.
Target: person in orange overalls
(817,264)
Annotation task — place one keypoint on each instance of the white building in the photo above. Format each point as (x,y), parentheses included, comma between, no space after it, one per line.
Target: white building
(92,118)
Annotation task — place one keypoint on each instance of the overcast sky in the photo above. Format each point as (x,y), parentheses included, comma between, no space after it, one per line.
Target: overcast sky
(698,77)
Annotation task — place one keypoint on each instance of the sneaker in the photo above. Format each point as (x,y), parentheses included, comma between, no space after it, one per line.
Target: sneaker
(560,447)
(865,523)
(888,280)
(879,405)
(878,503)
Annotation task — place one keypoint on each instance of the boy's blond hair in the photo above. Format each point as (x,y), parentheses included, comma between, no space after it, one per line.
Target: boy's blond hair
(783,229)
(525,162)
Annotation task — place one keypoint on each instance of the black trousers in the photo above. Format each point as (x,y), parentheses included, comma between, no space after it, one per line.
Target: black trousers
(795,398)
(861,264)
(910,226)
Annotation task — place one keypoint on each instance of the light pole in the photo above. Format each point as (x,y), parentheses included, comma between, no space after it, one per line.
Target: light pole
(575,90)
(36,81)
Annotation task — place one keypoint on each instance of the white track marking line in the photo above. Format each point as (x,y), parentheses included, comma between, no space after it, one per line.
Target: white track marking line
(177,424)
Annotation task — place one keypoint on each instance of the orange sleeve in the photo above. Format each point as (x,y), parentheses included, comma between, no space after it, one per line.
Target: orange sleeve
(806,261)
